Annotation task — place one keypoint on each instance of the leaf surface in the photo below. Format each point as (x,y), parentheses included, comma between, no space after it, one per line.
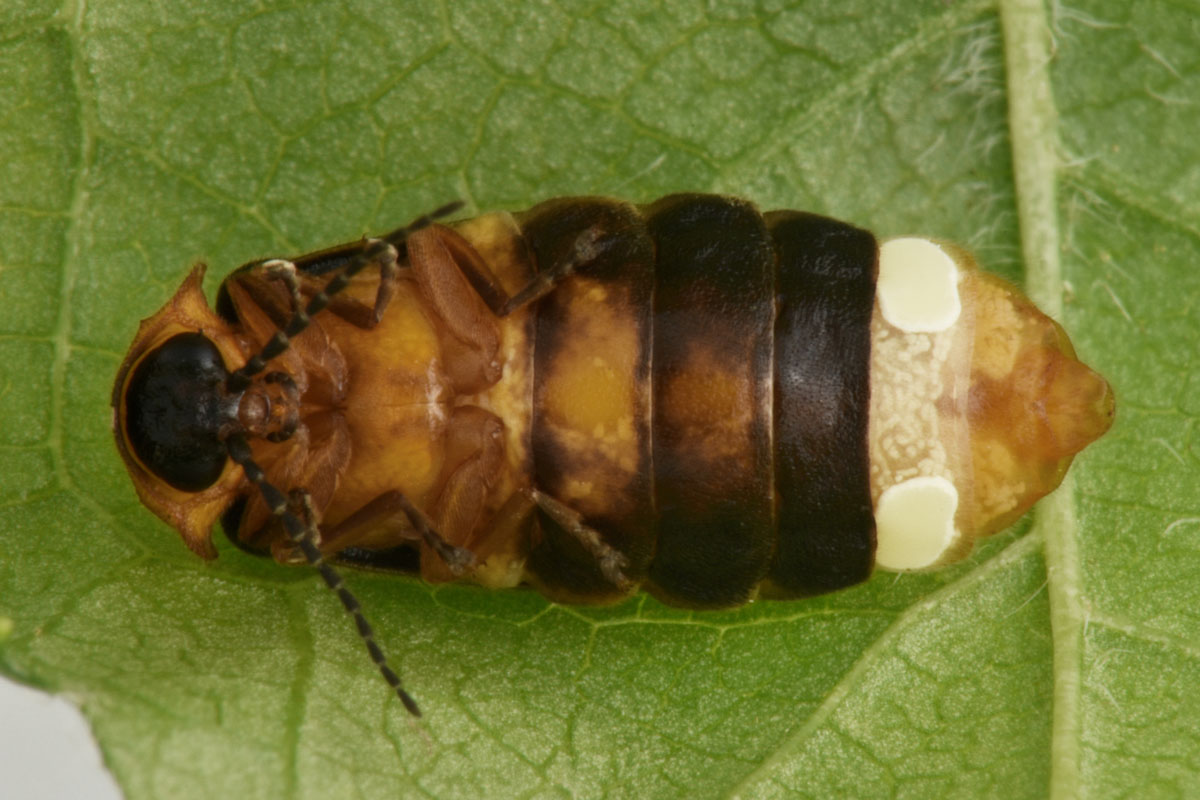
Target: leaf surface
(139,139)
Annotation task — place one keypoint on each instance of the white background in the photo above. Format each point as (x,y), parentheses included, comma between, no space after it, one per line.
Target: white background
(46,749)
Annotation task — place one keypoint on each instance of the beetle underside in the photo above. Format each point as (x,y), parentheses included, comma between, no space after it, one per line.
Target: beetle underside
(591,397)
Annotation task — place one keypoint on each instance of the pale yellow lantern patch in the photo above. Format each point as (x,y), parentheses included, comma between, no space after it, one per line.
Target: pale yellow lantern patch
(917,286)
(914,523)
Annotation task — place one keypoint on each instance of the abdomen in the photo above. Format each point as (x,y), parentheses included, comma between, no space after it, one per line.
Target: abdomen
(726,398)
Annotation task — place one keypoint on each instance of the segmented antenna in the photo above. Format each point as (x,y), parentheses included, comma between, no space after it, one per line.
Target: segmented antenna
(303,536)
(386,251)
(382,250)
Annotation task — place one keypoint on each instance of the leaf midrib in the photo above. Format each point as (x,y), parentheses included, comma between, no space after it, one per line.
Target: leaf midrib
(1033,119)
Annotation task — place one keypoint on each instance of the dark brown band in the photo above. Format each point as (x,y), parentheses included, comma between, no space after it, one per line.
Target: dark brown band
(748,342)
(713,308)
(826,283)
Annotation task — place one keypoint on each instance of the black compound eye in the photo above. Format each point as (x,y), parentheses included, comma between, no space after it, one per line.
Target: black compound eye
(173,412)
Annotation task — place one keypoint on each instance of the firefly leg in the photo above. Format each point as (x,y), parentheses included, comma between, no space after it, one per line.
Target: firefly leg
(611,561)
(438,260)
(284,271)
(473,452)
(452,535)
(324,294)
(467,329)
(353,310)
(589,245)
(460,287)
(384,251)
(343,263)
(382,512)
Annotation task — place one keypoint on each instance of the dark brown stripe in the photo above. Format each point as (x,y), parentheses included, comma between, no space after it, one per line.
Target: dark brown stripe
(713,309)
(591,397)
(826,284)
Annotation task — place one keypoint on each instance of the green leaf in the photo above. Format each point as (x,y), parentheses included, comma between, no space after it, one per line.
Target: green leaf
(140,138)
